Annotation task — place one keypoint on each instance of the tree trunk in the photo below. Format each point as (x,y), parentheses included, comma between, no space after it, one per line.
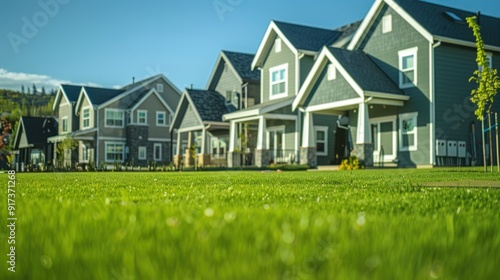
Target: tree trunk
(483,144)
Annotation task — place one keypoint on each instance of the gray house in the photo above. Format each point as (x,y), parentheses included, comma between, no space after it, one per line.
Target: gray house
(198,118)
(30,143)
(401,86)
(272,129)
(127,125)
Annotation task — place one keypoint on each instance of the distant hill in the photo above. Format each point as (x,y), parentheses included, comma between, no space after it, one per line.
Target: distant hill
(24,104)
(13,105)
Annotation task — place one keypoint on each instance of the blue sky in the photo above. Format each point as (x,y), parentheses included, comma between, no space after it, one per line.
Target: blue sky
(106,43)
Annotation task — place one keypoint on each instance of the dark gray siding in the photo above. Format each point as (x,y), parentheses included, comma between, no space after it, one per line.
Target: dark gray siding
(385,48)
(306,64)
(454,111)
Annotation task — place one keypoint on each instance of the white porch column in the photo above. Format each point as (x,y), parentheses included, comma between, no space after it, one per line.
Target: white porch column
(261,135)
(308,135)
(363,130)
(232,136)
(179,144)
(203,140)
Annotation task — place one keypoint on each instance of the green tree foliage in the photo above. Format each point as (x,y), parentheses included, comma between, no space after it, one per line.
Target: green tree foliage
(485,76)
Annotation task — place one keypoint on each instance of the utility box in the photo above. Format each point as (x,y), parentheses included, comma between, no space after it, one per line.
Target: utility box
(452,148)
(462,149)
(441,148)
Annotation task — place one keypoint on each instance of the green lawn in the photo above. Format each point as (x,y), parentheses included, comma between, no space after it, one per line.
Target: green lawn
(370,224)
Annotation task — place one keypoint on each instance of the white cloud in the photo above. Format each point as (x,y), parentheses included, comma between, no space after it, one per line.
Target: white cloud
(14,81)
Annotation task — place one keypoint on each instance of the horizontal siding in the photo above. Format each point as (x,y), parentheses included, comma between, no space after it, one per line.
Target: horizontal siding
(152,105)
(190,119)
(384,49)
(274,59)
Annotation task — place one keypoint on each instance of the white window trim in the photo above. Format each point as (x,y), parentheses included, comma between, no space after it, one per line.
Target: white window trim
(332,72)
(387,24)
(154,152)
(106,143)
(324,129)
(62,124)
(404,53)
(275,69)
(145,117)
(106,118)
(83,117)
(164,119)
(159,87)
(415,132)
(278,45)
(142,149)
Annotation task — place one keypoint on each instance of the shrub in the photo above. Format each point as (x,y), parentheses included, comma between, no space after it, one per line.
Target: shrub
(351,163)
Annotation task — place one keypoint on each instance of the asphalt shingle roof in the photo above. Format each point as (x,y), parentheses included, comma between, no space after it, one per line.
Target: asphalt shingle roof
(210,104)
(306,37)
(242,62)
(38,129)
(432,17)
(364,71)
(72,92)
(100,95)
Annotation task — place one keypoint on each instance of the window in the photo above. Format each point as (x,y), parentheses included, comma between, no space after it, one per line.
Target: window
(142,153)
(276,144)
(278,81)
(114,118)
(332,72)
(86,118)
(321,140)
(65,124)
(157,152)
(85,153)
(408,68)
(159,87)
(489,60)
(387,24)
(161,118)
(218,147)
(277,45)
(142,116)
(408,132)
(454,17)
(170,118)
(114,151)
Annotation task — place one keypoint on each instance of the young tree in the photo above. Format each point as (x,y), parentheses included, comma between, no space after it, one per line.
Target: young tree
(22,89)
(485,76)
(43,91)
(487,82)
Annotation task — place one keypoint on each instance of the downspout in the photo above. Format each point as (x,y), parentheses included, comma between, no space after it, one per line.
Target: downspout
(172,145)
(97,139)
(432,138)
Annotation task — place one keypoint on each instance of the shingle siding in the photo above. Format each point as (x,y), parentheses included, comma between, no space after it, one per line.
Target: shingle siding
(325,91)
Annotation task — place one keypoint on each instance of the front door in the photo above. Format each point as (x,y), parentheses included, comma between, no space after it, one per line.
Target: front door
(383,131)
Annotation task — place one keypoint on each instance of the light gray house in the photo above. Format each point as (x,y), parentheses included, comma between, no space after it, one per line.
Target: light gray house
(402,85)
(127,125)
(198,118)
